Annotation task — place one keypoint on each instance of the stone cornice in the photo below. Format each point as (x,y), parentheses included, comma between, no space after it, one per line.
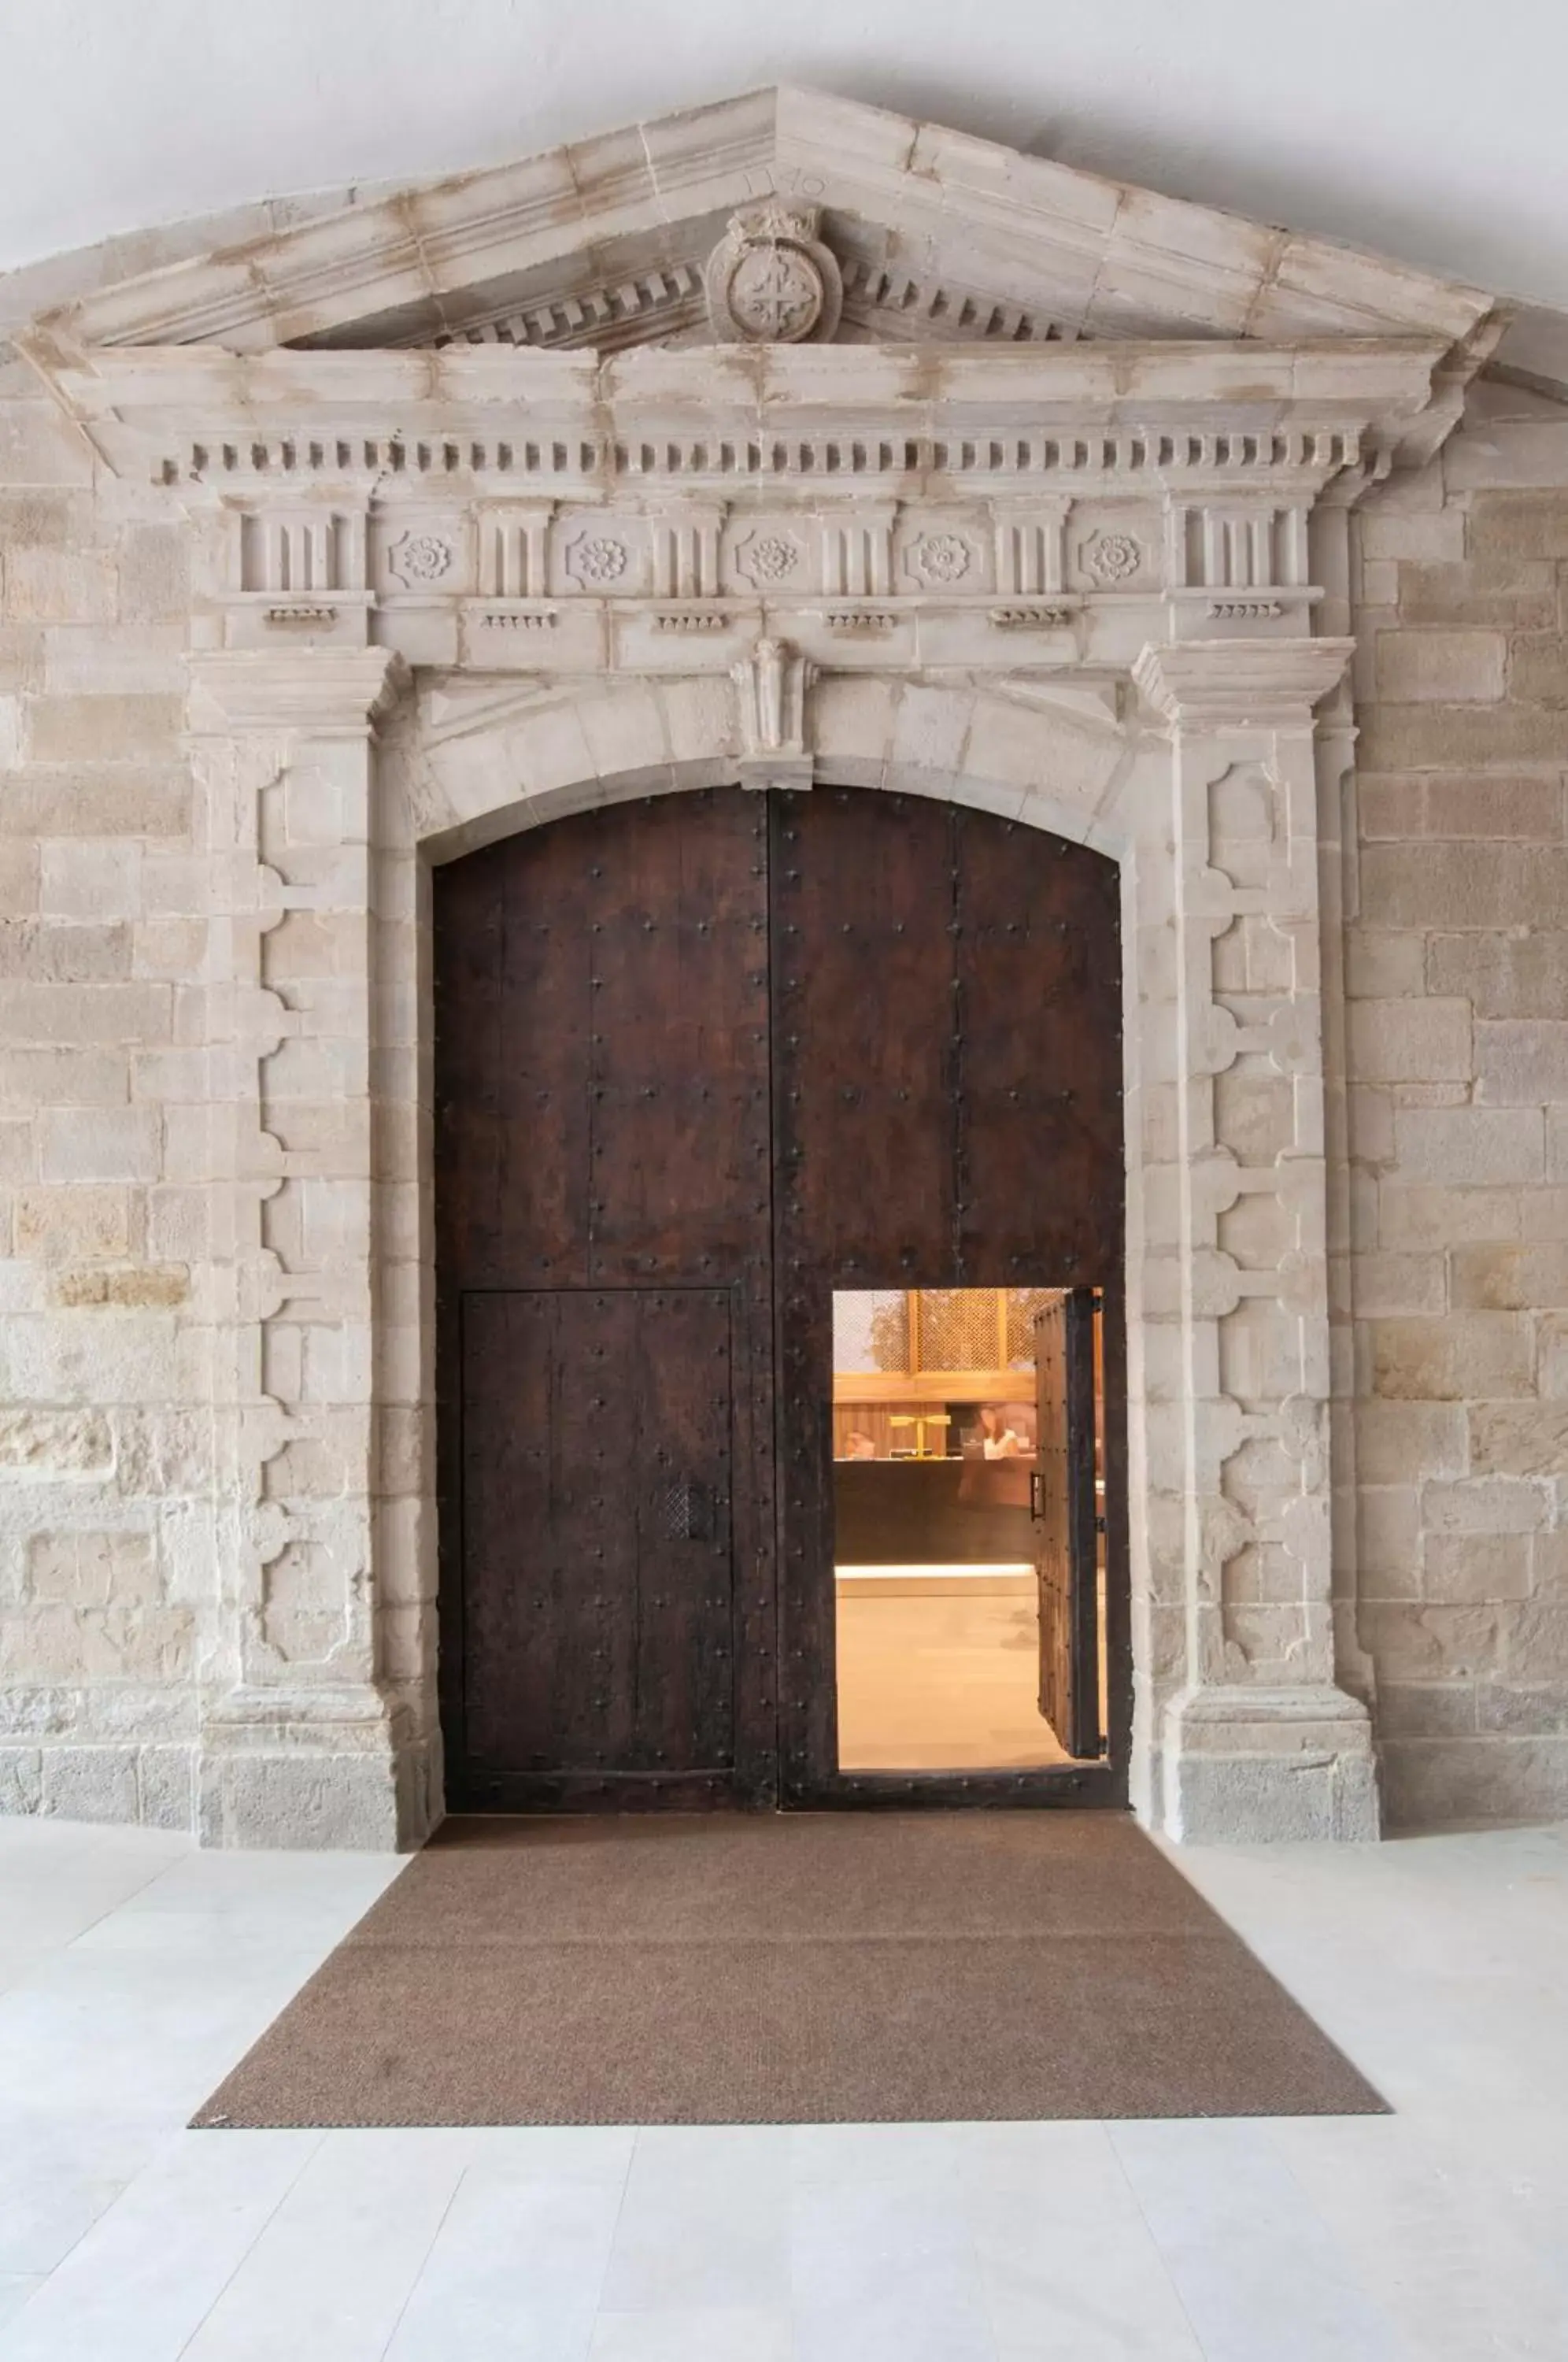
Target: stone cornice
(1241,684)
(321,692)
(841,416)
(1101,258)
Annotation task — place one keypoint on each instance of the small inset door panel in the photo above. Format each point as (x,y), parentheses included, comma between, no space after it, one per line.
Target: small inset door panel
(598,1569)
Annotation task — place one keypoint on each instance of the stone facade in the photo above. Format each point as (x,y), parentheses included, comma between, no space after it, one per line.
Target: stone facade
(277,632)
(1457,1039)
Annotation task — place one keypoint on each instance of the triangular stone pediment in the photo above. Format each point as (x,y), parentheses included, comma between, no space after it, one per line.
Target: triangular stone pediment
(919,233)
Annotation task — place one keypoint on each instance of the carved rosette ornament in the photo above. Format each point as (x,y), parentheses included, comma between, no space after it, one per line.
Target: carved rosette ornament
(421,558)
(767,557)
(596,560)
(771,280)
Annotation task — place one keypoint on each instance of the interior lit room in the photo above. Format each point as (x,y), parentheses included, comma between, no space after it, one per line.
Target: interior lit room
(949,1427)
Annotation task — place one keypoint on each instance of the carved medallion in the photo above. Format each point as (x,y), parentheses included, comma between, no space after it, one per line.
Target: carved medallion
(771,280)
(1113,558)
(597,560)
(940,558)
(420,558)
(767,557)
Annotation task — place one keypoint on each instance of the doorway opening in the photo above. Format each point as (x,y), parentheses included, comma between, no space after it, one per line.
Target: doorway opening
(969,1557)
(701,1061)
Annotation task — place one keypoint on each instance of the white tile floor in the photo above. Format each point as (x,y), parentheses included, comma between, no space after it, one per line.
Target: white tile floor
(133,1971)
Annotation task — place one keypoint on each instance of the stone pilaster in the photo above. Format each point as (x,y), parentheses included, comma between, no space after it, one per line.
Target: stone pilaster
(1258,1741)
(299,1744)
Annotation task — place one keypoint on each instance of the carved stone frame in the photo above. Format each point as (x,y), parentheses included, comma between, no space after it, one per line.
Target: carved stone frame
(333,781)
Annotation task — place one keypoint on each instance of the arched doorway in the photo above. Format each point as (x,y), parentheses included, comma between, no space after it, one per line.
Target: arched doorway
(701,1061)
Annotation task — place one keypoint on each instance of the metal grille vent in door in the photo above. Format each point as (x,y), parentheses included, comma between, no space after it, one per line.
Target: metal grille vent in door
(683,1512)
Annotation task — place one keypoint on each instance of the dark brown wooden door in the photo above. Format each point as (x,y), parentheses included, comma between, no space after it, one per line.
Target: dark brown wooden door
(605,1297)
(947,1113)
(745,1046)
(1063,1500)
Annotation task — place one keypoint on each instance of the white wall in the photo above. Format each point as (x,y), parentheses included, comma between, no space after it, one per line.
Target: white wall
(1425,129)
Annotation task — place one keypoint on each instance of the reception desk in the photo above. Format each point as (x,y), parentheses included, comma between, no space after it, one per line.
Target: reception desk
(967,1512)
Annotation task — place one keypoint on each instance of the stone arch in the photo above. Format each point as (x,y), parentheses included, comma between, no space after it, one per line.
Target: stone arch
(1239,1725)
(465,762)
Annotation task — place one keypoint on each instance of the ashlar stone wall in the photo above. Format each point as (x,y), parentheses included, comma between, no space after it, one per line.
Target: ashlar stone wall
(1454,1583)
(105,1545)
(1457,1022)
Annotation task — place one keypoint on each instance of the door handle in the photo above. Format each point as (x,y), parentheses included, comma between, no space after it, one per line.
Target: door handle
(1037,1494)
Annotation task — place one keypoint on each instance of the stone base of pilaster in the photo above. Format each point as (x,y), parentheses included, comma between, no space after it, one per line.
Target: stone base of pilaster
(358,1780)
(1254,1766)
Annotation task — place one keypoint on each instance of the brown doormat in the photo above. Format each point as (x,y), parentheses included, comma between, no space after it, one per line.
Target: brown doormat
(790,1968)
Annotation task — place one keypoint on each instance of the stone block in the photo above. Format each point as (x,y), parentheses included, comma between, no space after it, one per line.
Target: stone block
(20,890)
(59,952)
(1400,1443)
(1421,1040)
(128,1287)
(1520,1439)
(67,1225)
(36,519)
(1425,1709)
(1255,1798)
(60,1078)
(38,447)
(1456,1359)
(1478,1568)
(1527,809)
(1470,1146)
(80,880)
(1510,1279)
(1383,964)
(1521,1062)
(308,1798)
(1412,1641)
(1447,668)
(90,1784)
(1399,1283)
(104,729)
(1538,668)
(1510,593)
(1544,1215)
(1510,976)
(1532,525)
(1428,1783)
(91,1569)
(1452,737)
(99,1144)
(137,1014)
(1389,1538)
(1483,1505)
(1522,1708)
(1549,1564)
(50,1443)
(1551,1368)
(1433,536)
(1443,884)
(1390,810)
(59,586)
(128,800)
(99,660)
(155,574)
(1535,1641)
(167,1787)
(21,1779)
(1411,1218)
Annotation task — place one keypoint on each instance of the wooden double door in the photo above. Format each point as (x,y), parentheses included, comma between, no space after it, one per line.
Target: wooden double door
(700,1061)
